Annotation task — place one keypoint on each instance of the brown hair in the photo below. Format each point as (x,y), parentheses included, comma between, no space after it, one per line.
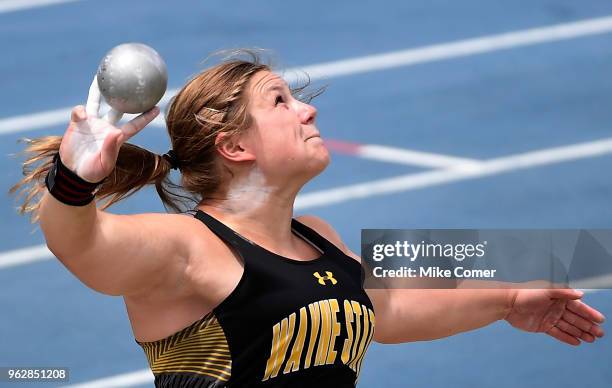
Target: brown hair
(210,103)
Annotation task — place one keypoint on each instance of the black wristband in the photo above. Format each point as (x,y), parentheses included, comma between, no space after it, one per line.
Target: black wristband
(67,187)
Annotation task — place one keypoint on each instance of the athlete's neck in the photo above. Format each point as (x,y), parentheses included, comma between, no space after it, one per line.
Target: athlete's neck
(256,209)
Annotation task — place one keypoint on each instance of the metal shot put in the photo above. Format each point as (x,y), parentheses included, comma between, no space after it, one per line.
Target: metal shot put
(132,78)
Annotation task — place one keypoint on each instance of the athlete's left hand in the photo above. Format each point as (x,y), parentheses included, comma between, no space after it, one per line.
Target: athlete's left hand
(557,312)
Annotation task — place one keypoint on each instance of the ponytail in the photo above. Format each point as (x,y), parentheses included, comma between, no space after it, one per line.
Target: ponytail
(135,168)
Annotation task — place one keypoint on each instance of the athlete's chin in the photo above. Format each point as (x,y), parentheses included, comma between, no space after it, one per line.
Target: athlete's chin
(318,164)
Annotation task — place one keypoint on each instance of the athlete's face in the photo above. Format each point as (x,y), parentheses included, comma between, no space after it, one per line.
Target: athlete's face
(284,138)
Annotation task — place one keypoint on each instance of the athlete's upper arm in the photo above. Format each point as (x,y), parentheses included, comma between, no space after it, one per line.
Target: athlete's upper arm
(129,254)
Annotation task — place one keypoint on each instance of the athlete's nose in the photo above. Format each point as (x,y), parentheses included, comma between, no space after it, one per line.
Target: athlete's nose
(308,113)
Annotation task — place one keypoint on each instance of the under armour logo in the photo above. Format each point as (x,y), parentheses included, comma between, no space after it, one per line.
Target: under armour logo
(329,276)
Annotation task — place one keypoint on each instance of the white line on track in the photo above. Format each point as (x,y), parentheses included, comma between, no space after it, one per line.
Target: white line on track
(24,256)
(462,48)
(402,183)
(34,121)
(18,5)
(459,172)
(593,284)
(124,380)
(397,155)
(377,62)
(409,157)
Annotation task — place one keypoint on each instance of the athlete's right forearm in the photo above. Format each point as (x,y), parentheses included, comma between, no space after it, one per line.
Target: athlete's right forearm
(68,229)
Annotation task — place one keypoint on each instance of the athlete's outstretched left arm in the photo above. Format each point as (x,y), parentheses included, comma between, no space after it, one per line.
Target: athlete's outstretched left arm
(405,315)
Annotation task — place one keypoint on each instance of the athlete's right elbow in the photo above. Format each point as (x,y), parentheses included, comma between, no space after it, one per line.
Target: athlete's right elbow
(67,229)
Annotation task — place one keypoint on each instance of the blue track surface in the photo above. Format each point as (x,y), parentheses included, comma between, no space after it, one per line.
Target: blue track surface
(481,106)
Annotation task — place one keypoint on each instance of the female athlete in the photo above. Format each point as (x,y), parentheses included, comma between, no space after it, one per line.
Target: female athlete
(237,292)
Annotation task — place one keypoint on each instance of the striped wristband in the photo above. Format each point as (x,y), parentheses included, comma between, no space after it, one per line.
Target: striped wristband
(67,187)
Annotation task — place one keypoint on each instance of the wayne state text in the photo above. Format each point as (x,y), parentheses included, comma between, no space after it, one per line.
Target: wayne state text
(412,252)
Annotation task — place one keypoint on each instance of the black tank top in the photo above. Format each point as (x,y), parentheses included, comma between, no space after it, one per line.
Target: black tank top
(288,323)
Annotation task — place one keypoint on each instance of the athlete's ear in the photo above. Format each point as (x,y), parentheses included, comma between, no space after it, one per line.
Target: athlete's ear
(233,148)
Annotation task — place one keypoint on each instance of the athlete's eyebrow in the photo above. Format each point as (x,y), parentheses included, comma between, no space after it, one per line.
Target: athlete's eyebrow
(276,87)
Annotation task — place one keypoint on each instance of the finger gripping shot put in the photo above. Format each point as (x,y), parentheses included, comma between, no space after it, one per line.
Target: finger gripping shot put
(228,288)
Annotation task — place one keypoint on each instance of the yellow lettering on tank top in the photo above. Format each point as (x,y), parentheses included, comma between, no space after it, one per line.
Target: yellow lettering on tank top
(335,330)
(271,363)
(293,363)
(364,338)
(348,342)
(323,345)
(372,326)
(357,311)
(280,342)
(323,320)
(315,318)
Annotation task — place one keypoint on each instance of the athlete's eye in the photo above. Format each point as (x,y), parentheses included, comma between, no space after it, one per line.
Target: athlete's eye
(279,99)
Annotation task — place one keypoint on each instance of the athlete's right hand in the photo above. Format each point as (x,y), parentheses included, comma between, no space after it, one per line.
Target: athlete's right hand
(91,143)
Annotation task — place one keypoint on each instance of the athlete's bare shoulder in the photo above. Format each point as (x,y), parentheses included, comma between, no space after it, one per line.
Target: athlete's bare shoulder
(185,224)
(206,257)
(326,230)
